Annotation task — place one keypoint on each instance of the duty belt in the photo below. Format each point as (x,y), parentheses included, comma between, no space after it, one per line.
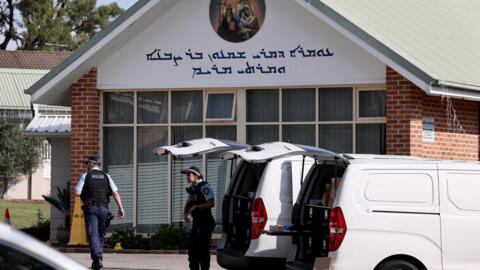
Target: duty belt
(98,204)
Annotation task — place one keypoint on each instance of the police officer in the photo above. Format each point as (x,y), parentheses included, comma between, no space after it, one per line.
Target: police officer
(94,188)
(199,203)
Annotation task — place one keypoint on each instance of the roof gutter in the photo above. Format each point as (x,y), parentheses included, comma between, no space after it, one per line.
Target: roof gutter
(456,85)
(47,134)
(455,90)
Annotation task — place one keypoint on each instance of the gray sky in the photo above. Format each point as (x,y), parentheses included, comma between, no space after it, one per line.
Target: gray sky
(125,4)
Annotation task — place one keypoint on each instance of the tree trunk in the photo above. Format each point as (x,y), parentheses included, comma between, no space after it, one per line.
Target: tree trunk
(9,34)
(29,188)
(5,188)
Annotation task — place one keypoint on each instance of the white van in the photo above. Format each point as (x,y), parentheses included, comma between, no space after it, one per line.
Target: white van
(261,193)
(389,213)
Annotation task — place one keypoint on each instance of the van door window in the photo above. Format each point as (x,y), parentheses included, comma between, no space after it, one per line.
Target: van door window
(397,188)
(463,190)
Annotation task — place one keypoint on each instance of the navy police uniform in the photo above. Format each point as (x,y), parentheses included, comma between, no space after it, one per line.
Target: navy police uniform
(202,227)
(96,186)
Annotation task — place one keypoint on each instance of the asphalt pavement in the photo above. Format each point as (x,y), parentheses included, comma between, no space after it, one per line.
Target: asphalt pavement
(141,261)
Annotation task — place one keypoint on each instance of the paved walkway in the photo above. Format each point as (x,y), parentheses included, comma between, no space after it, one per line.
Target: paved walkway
(141,261)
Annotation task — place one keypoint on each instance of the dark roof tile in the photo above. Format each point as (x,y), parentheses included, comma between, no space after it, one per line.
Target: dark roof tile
(31,59)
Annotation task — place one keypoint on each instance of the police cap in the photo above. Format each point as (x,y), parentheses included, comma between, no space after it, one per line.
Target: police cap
(192,169)
(93,159)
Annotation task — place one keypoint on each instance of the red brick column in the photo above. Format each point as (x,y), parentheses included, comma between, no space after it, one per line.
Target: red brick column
(85,127)
(406,105)
(404,113)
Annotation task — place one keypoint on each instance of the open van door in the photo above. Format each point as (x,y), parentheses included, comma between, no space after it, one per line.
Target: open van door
(268,151)
(198,147)
(311,216)
(239,198)
(201,146)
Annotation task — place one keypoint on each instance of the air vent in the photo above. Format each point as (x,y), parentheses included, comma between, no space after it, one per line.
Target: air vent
(254,149)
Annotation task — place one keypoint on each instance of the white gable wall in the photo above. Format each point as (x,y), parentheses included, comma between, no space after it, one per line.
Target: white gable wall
(286,25)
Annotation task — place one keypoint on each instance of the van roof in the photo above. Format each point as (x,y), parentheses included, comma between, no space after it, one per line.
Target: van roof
(367,158)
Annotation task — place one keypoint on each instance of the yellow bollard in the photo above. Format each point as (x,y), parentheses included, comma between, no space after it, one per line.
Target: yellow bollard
(118,246)
(78,233)
(49,243)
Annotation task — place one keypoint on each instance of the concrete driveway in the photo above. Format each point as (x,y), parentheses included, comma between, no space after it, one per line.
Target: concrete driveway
(141,261)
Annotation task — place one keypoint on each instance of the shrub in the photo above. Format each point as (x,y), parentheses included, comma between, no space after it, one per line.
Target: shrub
(167,237)
(170,237)
(128,239)
(40,229)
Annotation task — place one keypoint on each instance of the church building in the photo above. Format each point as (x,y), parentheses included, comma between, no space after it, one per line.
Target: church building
(354,76)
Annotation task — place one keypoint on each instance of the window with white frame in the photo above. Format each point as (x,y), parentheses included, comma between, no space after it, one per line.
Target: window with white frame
(335,114)
(262,115)
(371,127)
(151,186)
(220,106)
(341,119)
(298,115)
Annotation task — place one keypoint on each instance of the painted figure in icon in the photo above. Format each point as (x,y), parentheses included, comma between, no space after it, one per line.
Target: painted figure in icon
(236,20)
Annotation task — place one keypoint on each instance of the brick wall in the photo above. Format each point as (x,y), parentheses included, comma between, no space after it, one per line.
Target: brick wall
(406,105)
(85,134)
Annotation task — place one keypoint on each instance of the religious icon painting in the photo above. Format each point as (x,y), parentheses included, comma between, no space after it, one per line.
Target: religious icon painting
(237,20)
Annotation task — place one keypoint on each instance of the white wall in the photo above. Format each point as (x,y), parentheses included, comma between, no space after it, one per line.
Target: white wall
(286,25)
(40,186)
(60,176)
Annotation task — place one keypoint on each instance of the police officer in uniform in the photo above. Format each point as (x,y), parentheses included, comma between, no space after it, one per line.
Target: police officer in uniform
(199,203)
(94,188)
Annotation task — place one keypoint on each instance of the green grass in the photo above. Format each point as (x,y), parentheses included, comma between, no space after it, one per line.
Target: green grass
(24,214)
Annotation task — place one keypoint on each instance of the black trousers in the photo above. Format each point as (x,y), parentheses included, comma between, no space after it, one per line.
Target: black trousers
(199,243)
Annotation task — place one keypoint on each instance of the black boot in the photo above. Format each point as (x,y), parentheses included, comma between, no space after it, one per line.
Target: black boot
(97,264)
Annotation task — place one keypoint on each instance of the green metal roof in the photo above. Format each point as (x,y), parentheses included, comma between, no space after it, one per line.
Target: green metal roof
(436,40)
(13,82)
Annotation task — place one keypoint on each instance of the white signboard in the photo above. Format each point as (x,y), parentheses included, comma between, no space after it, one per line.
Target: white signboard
(291,47)
(428,130)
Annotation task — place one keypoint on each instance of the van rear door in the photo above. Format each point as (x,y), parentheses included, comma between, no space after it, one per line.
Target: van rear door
(199,146)
(237,233)
(311,213)
(239,198)
(268,151)
(237,206)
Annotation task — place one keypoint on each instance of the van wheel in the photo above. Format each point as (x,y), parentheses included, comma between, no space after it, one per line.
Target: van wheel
(397,265)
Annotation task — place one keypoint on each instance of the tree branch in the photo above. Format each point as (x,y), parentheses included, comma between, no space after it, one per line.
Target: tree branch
(10,33)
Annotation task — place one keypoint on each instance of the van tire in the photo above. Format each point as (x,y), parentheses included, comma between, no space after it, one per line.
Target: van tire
(397,265)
